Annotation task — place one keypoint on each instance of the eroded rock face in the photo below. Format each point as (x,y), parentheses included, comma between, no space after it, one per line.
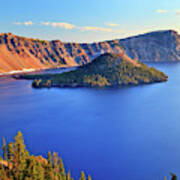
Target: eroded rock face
(156,46)
(19,53)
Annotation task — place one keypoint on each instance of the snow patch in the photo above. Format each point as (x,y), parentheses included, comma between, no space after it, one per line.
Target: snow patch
(18,71)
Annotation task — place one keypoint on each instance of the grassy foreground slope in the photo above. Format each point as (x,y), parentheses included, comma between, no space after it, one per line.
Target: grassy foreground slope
(105,71)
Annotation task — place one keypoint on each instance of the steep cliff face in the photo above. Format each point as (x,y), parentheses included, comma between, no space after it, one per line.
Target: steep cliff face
(155,46)
(20,53)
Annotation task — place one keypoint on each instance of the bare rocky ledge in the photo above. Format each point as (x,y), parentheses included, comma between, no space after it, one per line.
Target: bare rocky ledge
(18,53)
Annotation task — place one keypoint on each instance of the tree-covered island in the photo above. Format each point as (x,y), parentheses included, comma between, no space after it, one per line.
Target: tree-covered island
(107,70)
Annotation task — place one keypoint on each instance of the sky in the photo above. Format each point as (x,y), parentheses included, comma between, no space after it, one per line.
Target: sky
(87,20)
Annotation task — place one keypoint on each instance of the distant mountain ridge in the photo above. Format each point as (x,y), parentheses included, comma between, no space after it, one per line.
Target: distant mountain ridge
(20,53)
(158,46)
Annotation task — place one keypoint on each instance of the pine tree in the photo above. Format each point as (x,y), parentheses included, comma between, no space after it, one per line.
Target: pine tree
(83,177)
(89,177)
(21,166)
(49,174)
(49,160)
(173,176)
(61,169)
(38,171)
(59,177)
(29,167)
(4,150)
(10,152)
(5,155)
(20,156)
(55,165)
(68,177)
(3,174)
(34,172)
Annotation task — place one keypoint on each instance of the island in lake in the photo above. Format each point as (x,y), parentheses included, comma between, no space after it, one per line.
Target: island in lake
(107,70)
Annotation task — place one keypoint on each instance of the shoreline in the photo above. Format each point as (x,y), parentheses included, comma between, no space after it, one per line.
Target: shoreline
(31,70)
(19,71)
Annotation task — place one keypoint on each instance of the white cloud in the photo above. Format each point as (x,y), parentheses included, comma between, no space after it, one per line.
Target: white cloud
(66,25)
(17,23)
(112,24)
(97,29)
(28,23)
(63,25)
(45,23)
(162,11)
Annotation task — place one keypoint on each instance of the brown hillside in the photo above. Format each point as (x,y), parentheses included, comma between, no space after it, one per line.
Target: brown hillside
(18,53)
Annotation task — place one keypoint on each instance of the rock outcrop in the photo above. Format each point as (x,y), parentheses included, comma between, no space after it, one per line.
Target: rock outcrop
(20,53)
(159,46)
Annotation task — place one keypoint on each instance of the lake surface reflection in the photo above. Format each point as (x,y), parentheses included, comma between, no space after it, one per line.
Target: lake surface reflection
(127,133)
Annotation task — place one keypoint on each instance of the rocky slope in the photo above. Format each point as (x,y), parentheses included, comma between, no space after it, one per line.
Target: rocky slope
(155,46)
(20,53)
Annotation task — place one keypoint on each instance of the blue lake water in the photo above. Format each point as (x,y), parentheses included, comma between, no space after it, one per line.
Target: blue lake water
(127,133)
